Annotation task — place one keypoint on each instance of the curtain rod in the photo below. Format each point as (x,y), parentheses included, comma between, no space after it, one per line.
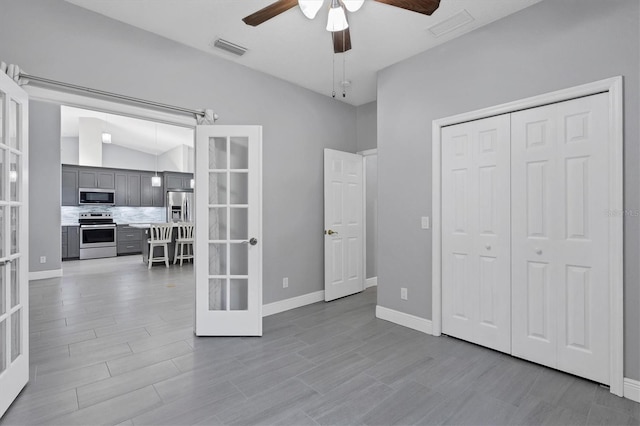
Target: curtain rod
(30,77)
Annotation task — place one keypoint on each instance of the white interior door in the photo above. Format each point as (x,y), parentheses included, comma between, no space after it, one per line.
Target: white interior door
(475,232)
(228,237)
(560,236)
(343,224)
(14,296)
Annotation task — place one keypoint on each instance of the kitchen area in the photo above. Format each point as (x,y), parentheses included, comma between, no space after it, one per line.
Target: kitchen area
(108,207)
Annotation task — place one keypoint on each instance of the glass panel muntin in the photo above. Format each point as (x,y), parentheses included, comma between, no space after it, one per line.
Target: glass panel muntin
(228,216)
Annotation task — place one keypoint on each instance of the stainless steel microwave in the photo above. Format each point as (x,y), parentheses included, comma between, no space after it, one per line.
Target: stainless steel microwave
(97,196)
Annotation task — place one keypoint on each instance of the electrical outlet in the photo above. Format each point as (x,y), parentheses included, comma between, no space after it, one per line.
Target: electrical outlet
(425,222)
(285,282)
(403,293)
(43,259)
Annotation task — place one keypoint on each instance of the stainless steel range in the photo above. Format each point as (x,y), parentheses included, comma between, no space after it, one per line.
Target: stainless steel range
(97,235)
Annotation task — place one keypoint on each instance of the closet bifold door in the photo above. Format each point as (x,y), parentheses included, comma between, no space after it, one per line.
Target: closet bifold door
(476,295)
(560,236)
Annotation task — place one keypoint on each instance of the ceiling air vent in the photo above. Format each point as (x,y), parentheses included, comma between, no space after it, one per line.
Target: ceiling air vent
(453,23)
(229,47)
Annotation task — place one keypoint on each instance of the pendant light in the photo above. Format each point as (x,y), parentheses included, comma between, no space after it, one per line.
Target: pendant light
(156,180)
(337,20)
(106,136)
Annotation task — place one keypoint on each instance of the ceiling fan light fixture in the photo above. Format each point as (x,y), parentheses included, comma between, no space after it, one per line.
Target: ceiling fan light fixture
(353,5)
(337,20)
(310,8)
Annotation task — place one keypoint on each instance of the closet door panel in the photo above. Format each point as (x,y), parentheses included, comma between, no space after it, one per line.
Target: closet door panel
(534,222)
(583,293)
(475,211)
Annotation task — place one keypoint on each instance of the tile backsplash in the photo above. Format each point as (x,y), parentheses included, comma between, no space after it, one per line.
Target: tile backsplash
(121,215)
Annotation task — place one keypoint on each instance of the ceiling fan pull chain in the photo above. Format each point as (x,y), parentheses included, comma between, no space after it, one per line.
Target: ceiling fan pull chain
(344,68)
(333,73)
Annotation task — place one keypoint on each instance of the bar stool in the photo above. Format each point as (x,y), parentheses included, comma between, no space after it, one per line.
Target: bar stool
(185,238)
(160,236)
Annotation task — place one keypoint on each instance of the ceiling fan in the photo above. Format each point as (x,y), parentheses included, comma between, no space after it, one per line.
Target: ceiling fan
(337,22)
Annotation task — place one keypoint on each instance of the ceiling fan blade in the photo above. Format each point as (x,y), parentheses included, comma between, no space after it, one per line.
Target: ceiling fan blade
(274,9)
(341,41)
(426,7)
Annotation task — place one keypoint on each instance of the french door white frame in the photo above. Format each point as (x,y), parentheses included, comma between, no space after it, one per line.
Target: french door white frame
(612,86)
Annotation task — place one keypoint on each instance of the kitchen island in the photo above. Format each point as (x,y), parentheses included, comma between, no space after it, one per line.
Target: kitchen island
(145,243)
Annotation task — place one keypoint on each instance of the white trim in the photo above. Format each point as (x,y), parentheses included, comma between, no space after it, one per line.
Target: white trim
(97,104)
(371,282)
(292,303)
(614,87)
(368,152)
(405,320)
(43,275)
(632,389)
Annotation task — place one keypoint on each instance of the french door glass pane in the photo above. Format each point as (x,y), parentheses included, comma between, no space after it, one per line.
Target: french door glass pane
(239,152)
(218,223)
(218,188)
(2,171)
(218,153)
(14,170)
(239,261)
(14,142)
(217,294)
(14,225)
(3,290)
(239,188)
(14,282)
(217,259)
(3,237)
(239,223)
(3,347)
(238,295)
(16,332)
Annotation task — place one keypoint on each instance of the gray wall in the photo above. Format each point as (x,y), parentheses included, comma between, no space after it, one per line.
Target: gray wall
(549,46)
(44,186)
(60,41)
(371,209)
(366,127)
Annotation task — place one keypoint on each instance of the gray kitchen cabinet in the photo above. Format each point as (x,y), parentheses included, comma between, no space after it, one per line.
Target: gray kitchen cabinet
(129,240)
(150,196)
(69,186)
(173,180)
(127,185)
(96,178)
(70,242)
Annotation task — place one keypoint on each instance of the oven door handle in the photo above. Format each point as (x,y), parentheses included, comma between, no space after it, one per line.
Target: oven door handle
(99,226)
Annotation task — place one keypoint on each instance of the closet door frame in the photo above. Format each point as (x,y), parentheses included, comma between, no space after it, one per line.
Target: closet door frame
(613,87)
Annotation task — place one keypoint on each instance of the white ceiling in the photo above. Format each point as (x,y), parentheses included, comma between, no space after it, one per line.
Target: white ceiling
(128,132)
(298,50)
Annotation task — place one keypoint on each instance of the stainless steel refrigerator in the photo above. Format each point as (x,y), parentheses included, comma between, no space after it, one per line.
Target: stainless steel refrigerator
(180,205)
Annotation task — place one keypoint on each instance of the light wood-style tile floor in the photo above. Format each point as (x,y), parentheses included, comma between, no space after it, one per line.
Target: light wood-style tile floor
(112,343)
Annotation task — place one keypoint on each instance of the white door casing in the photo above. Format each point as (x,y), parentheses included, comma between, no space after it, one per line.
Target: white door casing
(14,296)
(343,224)
(475,228)
(560,236)
(228,237)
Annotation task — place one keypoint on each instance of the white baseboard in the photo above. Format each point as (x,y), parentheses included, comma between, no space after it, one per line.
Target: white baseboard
(632,389)
(406,320)
(43,275)
(294,302)
(371,282)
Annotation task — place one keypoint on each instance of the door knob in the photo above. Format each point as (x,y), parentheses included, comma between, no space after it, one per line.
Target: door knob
(488,247)
(538,251)
(330,232)
(252,241)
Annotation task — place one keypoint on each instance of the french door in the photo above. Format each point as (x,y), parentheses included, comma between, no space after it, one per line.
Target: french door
(14,297)
(343,221)
(228,237)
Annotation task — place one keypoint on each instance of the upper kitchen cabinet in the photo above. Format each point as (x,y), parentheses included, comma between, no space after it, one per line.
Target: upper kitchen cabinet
(174,180)
(151,196)
(69,186)
(128,189)
(96,178)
